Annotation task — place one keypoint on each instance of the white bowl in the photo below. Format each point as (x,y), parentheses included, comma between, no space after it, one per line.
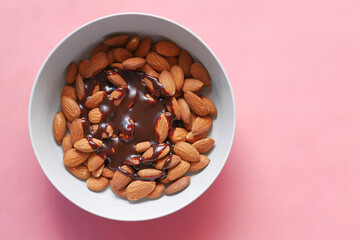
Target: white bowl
(45,102)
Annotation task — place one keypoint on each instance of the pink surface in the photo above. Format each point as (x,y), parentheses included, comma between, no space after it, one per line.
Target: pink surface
(293,172)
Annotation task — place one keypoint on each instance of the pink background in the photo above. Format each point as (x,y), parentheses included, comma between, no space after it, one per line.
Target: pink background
(293,172)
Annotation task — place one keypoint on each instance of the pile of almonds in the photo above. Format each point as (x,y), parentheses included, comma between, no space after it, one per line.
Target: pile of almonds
(181,81)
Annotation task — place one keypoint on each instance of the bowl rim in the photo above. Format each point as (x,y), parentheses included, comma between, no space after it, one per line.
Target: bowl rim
(233,130)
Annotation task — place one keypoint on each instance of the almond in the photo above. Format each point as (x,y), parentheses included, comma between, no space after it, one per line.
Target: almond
(178,171)
(70,108)
(117,95)
(175,160)
(178,76)
(73,157)
(80,87)
(148,70)
(59,127)
(120,180)
(167,48)
(184,109)
(80,171)
(157,192)
(192,85)
(150,86)
(188,126)
(88,145)
(134,63)
(149,173)
(109,130)
(95,100)
(162,128)
(179,185)
(172,61)
(82,67)
(117,41)
(76,131)
(186,151)
(165,181)
(199,165)
(196,104)
(204,145)
(201,125)
(108,173)
(142,146)
(111,56)
(149,154)
(175,108)
(210,104)
(71,73)
(99,48)
(198,71)
(69,91)
(97,172)
(178,135)
(97,184)
(185,61)
(97,63)
(167,82)
(143,48)
(66,143)
(121,54)
(96,89)
(133,43)
(95,115)
(120,193)
(95,161)
(139,189)
(157,62)
(117,65)
(192,139)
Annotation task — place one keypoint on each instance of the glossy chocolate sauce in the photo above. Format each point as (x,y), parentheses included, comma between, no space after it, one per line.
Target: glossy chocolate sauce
(133,121)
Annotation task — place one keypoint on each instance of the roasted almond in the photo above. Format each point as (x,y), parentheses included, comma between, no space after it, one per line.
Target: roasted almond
(188,126)
(167,82)
(186,151)
(157,62)
(204,145)
(143,48)
(178,135)
(172,61)
(69,91)
(76,131)
(117,41)
(175,108)
(66,143)
(134,63)
(59,127)
(95,115)
(80,87)
(120,180)
(80,171)
(70,108)
(198,71)
(120,193)
(96,89)
(149,154)
(117,95)
(184,109)
(149,70)
(73,157)
(133,43)
(178,76)
(88,145)
(117,65)
(97,63)
(142,146)
(185,61)
(99,48)
(196,104)
(139,189)
(95,100)
(97,172)
(95,161)
(179,185)
(149,173)
(111,56)
(174,160)
(157,192)
(82,67)
(178,171)
(162,125)
(109,130)
(192,85)
(121,54)
(71,73)
(108,173)
(192,139)
(167,48)
(201,125)
(97,184)
(210,104)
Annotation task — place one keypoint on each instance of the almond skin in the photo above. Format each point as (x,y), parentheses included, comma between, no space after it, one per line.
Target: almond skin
(172,61)
(133,43)
(198,71)
(97,172)
(117,41)
(196,104)
(139,189)
(108,173)
(94,162)
(149,70)
(73,157)
(162,125)
(70,108)
(97,184)
(97,63)
(143,48)
(82,66)
(88,145)
(201,125)
(121,54)
(111,57)
(142,146)
(80,87)
(115,78)
(134,63)
(167,48)
(95,100)
(210,104)
(76,131)
(184,109)
(175,108)
(99,48)
(69,91)
(120,180)
(149,172)
(175,160)
(186,151)
(192,85)
(178,171)
(178,135)
(120,193)
(71,73)
(80,171)
(167,82)
(185,61)
(199,165)
(179,185)
(59,127)
(192,139)
(178,76)
(149,153)
(157,192)
(204,145)
(188,126)
(157,62)
(95,115)
(66,143)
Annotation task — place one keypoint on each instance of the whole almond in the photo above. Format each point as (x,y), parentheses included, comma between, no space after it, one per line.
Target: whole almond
(172,61)
(82,67)
(97,184)
(70,108)
(120,193)
(201,125)
(167,48)
(179,185)
(199,165)
(97,63)
(157,192)
(109,130)
(142,146)
(69,91)
(95,161)
(198,71)
(88,145)
(76,131)
(210,104)
(120,180)
(188,126)
(121,54)
(97,172)
(80,87)
(80,171)
(167,82)
(178,76)
(134,63)
(184,109)
(117,95)
(149,172)
(178,171)
(148,155)
(149,70)
(71,73)
(117,65)
(73,157)
(108,173)
(96,89)
(162,125)
(196,104)
(117,41)
(102,47)
(66,143)
(192,85)
(165,180)
(59,127)
(139,189)
(157,62)
(143,48)
(204,145)
(175,108)
(95,115)
(95,100)
(150,86)
(115,78)
(192,139)
(175,160)
(111,56)
(133,43)
(186,151)
(178,135)
(185,61)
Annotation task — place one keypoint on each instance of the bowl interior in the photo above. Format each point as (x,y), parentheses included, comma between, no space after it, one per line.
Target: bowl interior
(44,103)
